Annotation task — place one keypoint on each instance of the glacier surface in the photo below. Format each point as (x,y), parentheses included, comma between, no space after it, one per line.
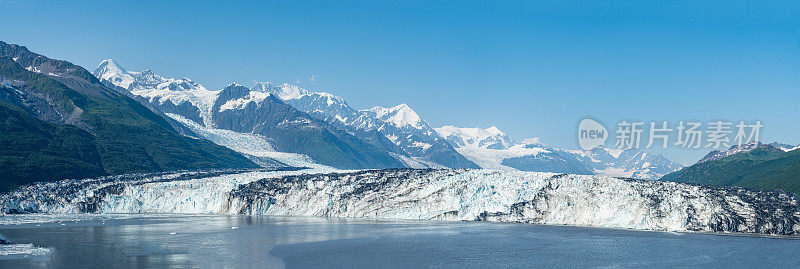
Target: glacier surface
(425,194)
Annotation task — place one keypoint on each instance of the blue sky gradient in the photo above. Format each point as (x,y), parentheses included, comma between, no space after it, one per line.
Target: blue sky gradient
(533,69)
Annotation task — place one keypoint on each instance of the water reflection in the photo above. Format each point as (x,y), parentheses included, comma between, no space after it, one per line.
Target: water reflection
(168,241)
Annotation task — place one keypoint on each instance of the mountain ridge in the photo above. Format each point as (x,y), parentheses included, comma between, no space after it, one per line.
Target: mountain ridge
(408,138)
(399,129)
(62,122)
(493,149)
(764,166)
(247,111)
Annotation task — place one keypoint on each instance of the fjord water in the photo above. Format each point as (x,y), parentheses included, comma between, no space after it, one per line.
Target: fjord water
(273,242)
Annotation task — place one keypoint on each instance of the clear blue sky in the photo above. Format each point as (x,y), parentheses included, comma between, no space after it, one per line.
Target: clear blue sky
(531,69)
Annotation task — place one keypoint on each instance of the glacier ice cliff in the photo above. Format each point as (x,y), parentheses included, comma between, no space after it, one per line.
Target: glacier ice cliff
(426,194)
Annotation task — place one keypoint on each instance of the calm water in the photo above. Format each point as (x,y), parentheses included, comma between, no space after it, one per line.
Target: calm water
(232,241)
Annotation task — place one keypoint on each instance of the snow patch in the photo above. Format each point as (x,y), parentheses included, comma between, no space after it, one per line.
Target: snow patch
(253,96)
(615,152)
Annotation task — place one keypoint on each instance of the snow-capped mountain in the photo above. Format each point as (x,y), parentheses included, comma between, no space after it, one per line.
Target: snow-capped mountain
(628,163)
(736,149)
(59,121)
(284,91)
(492,149)
(249,112)
(401,116)
(545,159)
(178,96)
(784,147)
(468,195)
(398,129)
(406,129)
(239,109)
(489,138)
(109,70)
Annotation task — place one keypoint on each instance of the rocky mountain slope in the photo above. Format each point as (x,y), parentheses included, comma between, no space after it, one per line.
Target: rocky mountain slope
(239,109)
(398,129)
(758,165)
(736,149)
(59,121)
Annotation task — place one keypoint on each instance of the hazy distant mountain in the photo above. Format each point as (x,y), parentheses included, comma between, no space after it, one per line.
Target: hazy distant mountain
(490,138)
(492,149)
(629,163)
(784,147)
(59,121)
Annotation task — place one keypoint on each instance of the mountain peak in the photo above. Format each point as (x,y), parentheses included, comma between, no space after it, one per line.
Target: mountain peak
(402,106)
(261,86)
(112,66)
(735,149)
(158,90)
(495,131)
(400,115)
(233,84)
(784,147)
(110,70)
(284,91)
(490,138)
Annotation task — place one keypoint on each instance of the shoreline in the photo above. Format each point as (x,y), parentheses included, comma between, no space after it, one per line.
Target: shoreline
(71,217)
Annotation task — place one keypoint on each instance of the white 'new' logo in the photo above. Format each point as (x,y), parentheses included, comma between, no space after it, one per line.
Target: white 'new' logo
(591,134)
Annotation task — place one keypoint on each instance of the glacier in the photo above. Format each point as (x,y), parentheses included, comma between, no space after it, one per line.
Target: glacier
(424,194)
(254,146)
